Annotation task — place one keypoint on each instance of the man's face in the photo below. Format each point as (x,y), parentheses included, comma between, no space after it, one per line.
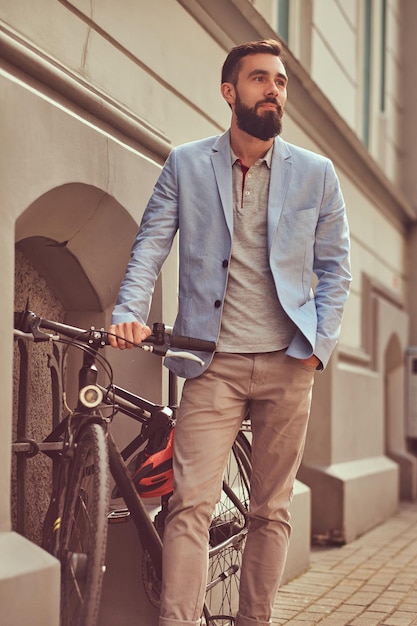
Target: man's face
(260,95)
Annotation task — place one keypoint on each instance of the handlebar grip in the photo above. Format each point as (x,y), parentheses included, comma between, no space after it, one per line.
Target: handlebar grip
(189,343)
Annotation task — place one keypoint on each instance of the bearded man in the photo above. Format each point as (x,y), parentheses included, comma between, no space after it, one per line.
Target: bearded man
(260,221)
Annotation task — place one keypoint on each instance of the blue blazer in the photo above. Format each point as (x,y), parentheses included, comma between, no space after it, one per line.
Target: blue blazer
(308,245)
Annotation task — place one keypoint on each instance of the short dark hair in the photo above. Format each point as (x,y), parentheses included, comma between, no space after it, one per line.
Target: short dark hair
(231,66)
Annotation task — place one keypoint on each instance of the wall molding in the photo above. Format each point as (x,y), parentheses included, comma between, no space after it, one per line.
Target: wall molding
(366,356)
(18,53)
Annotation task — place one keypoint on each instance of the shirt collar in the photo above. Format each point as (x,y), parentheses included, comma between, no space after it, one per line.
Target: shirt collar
(267,159)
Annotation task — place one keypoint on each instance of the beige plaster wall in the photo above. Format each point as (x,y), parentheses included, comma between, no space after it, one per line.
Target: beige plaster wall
(327,37)
(75,169)
(119,50)
(334,62)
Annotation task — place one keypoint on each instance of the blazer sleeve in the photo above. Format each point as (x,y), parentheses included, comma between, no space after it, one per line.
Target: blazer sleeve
(331,266)
(150,248)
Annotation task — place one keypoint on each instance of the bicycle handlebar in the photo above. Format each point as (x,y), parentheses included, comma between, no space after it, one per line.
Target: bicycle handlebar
(160,339)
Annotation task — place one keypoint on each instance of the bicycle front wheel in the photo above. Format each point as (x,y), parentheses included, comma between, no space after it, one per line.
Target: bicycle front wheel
(84,529)
(228,535)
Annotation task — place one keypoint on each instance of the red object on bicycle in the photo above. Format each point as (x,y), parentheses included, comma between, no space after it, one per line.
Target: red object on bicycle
(154,476)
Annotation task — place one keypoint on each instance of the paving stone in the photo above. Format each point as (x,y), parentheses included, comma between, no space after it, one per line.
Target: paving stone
(370,582)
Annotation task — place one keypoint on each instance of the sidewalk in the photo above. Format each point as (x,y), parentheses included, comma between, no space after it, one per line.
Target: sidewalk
(369,582)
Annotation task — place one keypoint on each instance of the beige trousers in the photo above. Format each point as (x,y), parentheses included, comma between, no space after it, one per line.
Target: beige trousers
(277,389)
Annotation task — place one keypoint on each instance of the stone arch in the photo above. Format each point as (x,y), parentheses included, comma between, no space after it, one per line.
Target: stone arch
(78,237)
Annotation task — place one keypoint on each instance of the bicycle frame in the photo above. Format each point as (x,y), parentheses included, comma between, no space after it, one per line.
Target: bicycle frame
(90,397)
(127,402)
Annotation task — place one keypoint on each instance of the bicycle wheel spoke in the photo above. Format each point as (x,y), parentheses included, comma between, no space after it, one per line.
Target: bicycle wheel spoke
(227,537)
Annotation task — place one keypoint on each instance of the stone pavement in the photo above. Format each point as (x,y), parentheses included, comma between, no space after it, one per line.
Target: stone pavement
(369,582)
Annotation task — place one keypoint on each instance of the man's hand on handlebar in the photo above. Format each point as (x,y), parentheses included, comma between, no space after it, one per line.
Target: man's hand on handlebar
(128,334)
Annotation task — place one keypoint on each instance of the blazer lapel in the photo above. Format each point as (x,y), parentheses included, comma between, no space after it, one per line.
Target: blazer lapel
(222,166)
(281,167)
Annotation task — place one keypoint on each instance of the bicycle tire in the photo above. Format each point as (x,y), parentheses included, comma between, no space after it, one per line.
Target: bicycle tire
(229,519)
(83,536)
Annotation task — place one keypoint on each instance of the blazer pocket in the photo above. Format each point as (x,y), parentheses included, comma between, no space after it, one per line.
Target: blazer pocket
(308,214)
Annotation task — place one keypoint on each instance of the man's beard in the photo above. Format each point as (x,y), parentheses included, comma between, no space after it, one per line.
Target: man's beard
(264,125)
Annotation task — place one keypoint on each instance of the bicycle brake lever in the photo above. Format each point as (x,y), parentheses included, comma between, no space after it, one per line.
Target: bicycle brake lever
(28,322)
(163,351)
(38,335)
(185,355)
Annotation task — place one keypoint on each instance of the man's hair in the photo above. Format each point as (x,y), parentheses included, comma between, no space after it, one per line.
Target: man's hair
(231,66)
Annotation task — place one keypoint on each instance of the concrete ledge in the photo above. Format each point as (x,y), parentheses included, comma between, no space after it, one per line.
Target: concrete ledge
(298,560)
(29,583)
(350,498)
(407,464)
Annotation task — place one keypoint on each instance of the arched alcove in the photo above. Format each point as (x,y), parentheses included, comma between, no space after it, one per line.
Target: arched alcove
(72,247)
(79,238)
(395,436)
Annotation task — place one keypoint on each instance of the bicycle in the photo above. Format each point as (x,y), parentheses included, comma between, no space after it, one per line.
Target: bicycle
(84,450)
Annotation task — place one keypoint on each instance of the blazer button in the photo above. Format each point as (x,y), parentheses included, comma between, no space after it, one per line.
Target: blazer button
(225,263)
(218,304)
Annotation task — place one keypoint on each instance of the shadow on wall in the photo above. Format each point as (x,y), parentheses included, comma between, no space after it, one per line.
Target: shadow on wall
(32,404)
